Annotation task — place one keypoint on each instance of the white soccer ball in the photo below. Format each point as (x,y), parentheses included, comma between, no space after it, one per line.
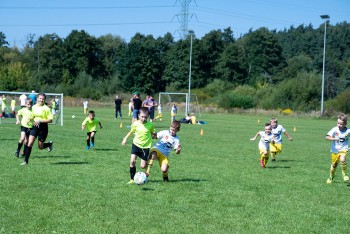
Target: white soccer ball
(73,116)
(140,178)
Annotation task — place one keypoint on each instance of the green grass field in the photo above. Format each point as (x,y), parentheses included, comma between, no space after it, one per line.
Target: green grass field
(217,185)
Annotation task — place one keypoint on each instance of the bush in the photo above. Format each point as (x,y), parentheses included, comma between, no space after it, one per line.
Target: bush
(230,100)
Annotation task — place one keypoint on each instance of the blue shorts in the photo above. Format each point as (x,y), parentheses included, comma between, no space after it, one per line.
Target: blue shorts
(135,113)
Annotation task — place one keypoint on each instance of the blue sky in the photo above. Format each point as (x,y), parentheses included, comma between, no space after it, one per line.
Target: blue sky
(124,18)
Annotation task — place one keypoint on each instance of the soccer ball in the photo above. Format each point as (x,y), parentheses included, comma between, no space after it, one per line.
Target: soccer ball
(73,116)
(140,178)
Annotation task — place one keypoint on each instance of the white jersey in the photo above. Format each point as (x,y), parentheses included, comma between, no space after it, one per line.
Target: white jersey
(277,133)
(23,99)
(166,142)
(342,144)
(265,140)
(85,104)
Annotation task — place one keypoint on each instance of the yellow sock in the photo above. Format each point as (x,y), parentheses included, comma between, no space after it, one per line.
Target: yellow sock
(332,170)
(343,168)
(149,165)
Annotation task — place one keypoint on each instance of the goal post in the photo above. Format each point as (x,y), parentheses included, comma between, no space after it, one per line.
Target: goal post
(11,119)
(181,99)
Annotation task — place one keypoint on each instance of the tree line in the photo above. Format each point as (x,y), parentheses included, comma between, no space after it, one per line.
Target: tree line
(261,69)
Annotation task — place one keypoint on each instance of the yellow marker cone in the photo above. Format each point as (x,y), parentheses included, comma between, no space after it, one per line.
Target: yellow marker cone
(121,125)
(258,120)
(295,129)
(202,132)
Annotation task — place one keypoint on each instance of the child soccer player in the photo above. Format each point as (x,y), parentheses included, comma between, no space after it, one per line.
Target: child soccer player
(26,125)
(173,112)
(277,130)
(86,106)
(264,144)
(143,130)
(168,140)
(91,123)
(160,114)
(339,136)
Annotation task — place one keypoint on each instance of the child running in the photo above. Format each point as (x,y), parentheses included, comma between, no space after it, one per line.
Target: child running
(264,144)
(339,136)
(91,124)
(168,140)
(277,130)
(26,125)
(143,130)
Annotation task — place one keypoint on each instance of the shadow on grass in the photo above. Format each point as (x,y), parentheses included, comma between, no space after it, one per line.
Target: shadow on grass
(148,189)
(93,149)
(69,163)
(9,139)
(286,160)
(54,156)
(178,180)
(276,167)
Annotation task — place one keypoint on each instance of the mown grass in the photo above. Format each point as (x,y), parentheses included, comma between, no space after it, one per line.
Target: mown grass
(217,185)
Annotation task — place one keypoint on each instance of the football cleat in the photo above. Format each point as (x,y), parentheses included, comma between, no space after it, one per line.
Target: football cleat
(329,180)
(50,148)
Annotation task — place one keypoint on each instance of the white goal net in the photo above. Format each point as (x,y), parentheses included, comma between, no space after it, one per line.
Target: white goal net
(10,103)
(181,100)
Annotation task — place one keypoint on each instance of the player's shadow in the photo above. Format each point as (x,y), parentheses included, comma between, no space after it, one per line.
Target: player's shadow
(278,167)
(179,180)
(104,149)
(69,163)
(147,189)
(286,160)
(54,156)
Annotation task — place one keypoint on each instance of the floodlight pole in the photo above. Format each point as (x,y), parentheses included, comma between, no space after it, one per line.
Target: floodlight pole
(325,17)
(191,32)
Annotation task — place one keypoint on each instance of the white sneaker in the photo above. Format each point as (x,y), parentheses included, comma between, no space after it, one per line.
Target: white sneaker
(24,163)
(345,178)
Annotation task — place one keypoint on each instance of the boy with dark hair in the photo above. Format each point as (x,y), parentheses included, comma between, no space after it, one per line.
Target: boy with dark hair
(91,124)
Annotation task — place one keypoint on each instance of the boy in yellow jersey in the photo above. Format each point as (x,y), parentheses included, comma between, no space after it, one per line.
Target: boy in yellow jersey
(160,151)
(26,125)
(264,144)
(42,117)
(277,131)
(143,131)
(91,123)
(160,114)
(339,136)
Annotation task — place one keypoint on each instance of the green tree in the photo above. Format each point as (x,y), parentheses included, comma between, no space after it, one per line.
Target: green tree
(141,65)
(264,54)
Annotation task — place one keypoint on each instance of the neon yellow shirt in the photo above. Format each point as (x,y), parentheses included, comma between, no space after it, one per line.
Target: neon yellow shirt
(4,103)
(143,137)
(41,112)
(90,124)
(27,116)
(13,103)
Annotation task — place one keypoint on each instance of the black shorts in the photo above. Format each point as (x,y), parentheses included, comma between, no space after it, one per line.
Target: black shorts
(41,132)
(25,130)
(89,133)
(142,153)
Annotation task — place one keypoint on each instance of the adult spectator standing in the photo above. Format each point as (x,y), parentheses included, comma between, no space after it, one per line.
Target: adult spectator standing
(153,104)
(22,100)
(137,104)
(33,97)
(118,107)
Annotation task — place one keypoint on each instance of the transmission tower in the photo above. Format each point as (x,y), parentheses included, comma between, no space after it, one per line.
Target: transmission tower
(184,17)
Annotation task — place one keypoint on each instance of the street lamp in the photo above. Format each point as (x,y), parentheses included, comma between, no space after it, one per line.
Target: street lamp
(191,32)
(325,18)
